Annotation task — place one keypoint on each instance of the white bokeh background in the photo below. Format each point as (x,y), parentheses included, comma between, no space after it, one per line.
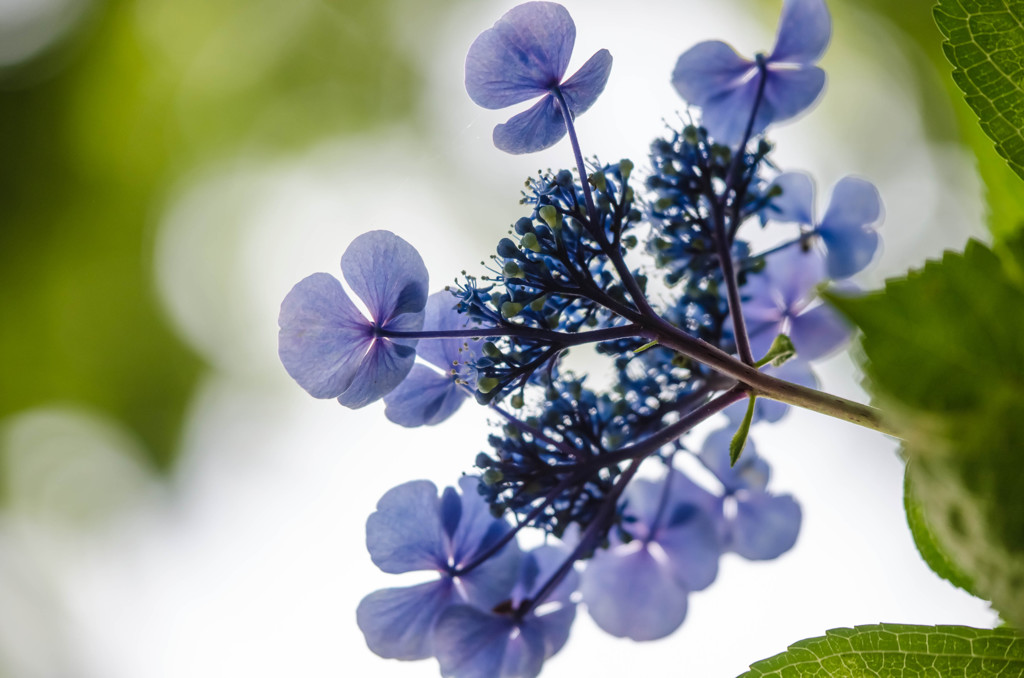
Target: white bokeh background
(250,560)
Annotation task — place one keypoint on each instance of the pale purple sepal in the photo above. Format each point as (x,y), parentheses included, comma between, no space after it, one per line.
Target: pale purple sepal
(424,398)
(630,593)
(779,301)
(724,85)
(398,623)
(751,472)
(585,85)
(765,526)
(540,126)
(428,396)
(472,643)
(387,273)
(404,533)
(805,28)
(846,229)
(323,336)
(796,203)
(477,642)
(819,332)
(522,56)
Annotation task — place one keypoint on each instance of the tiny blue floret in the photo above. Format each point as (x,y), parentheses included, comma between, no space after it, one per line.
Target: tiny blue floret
(712,76)
(525,56)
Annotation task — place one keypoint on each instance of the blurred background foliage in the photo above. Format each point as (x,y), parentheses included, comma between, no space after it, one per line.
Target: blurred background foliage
(119,100)
(97,126)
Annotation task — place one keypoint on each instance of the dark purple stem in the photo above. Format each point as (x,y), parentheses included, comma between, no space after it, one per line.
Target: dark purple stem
(723,244)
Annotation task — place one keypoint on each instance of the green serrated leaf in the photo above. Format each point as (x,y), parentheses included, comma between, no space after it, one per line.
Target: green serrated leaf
(930,549)
(899,651)
(984,42)
(945,356)
(779,352)
(739,439)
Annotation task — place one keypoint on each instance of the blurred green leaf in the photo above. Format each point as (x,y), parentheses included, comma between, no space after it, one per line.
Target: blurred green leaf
(984,42)
(1003,194)
(150,92)
(899,651)
(945,356)
(927,545)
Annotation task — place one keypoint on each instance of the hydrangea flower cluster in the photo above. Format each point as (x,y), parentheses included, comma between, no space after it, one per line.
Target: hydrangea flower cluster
(650,266)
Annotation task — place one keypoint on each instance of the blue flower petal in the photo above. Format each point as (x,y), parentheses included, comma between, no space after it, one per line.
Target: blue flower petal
(477,531)
(424,398)
(323,336)
(794,273)
(523,56)
(693,549)
(796,204)
(648,514)
(727,115)
(383,367)
(855,202)
(555,615)
(849,251)
(540,126)
(805,28)
(818,332)
(709,69)
(388,274)
(471,643)
(581,90)
(751,471)
(630,594)
(789,91)
(845,229)
(398,623)
(441,314)
(765,526)
(404,533)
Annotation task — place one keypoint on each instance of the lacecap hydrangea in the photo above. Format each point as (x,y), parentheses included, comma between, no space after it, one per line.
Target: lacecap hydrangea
(647,261)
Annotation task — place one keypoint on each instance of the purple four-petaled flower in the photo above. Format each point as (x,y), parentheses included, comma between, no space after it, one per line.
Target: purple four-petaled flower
(525,56)
(412,530)
(780,300)
(471,642)
(725,85)
(847,228)
(638,589)
(758,525)
(330,348)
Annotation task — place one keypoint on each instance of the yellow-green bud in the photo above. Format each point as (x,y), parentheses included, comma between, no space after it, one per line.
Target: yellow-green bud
(625,168)
(510,309)
(530,242)
(550,216)
(486,384)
